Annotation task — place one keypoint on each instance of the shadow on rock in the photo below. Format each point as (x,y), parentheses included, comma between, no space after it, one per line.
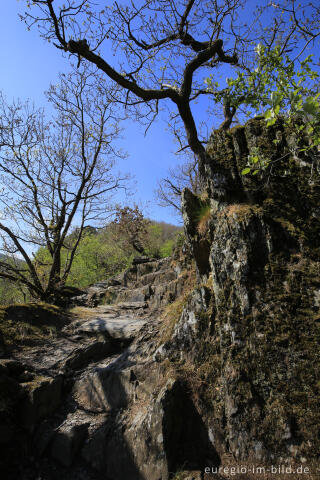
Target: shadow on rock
(186,441)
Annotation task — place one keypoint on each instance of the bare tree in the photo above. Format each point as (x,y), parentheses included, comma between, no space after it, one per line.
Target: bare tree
(55,175)
(170,187)
(162,50)
(304,25)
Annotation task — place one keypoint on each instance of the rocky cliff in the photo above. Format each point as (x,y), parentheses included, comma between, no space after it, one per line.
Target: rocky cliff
(184,365)
(256,340)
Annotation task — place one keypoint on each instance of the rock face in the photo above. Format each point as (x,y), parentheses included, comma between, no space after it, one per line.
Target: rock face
(255,339)
(174,368)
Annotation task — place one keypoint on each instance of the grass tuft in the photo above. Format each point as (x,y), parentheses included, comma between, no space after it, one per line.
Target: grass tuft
(203,217)
(29,324)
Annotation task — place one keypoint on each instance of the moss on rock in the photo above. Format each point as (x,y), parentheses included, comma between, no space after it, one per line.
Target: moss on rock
(258,364)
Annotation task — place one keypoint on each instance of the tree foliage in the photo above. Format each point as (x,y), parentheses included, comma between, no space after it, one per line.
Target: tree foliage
(131,227)
(133,233)
(105,252)
(275,88)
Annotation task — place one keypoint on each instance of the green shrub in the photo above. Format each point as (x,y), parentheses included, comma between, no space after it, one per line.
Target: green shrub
(167,248)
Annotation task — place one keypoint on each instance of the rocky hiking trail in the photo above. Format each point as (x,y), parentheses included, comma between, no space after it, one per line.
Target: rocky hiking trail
(81,384)
(207,359)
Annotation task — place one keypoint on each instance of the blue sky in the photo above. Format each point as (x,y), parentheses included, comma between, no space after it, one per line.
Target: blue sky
(29,65)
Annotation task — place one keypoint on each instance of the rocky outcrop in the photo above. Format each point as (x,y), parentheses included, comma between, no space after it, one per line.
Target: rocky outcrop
(251,331)
(96,388)
(166,373)
(149,281)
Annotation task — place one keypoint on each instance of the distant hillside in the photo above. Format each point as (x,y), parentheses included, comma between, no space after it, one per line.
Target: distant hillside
(101,253)
(107,251)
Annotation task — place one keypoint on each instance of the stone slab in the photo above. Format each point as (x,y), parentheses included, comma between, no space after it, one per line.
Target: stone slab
(122,327)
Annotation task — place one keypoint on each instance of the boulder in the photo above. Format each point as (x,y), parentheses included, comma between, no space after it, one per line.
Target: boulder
(95,447)
(11,393)
(157,278)
(143,259)
(43,396)
(67,441)
(158,439)
(11,367)
(104,389)
(120,328)
(81,356)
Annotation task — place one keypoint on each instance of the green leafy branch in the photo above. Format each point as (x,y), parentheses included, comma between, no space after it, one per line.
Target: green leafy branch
(275,88)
